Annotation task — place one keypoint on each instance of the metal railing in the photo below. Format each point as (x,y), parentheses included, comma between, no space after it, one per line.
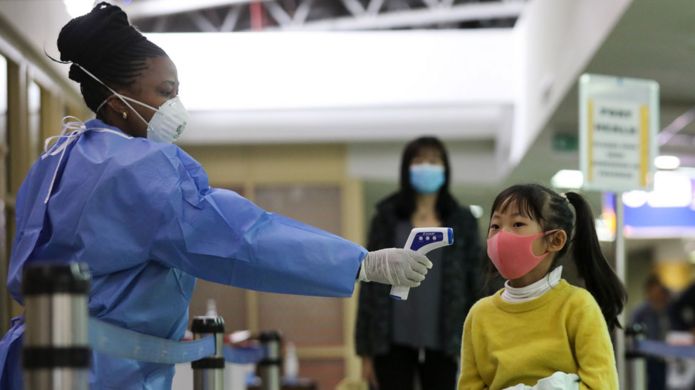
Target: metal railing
(57,352)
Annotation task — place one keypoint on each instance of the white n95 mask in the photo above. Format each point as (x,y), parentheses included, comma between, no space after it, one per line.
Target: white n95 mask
(169,120)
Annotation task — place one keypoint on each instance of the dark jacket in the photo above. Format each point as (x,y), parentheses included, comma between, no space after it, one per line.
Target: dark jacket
(461,282)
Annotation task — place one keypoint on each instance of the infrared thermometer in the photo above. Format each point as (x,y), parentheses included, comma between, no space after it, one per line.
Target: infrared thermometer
(423,240)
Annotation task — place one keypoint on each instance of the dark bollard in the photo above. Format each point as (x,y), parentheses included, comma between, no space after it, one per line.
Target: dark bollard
(56,353)
(208,373)
(635,360)
(269,367)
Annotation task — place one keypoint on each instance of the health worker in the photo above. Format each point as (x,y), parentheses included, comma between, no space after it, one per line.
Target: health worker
(115,193)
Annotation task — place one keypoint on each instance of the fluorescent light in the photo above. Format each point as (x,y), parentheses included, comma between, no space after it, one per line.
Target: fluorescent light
(635,199)
(77,8)
(34,98)
(667,162)
(3,85)
(671,189)
(603,230)
(476,210)
(568,179)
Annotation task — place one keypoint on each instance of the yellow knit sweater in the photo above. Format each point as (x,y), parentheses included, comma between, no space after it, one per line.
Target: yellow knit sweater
(505,344)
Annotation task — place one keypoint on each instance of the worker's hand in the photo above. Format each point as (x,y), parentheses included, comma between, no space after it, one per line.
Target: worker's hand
(368,373)
(394,266)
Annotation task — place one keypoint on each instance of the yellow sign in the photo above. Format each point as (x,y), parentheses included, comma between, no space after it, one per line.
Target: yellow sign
(618,126)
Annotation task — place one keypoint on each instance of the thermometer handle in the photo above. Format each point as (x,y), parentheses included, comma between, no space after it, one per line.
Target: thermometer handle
(423,240)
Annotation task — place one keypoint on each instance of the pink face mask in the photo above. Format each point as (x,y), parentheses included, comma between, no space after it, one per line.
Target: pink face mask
(512,254)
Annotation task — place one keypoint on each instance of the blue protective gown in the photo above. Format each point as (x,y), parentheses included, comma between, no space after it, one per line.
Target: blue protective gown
(144,218)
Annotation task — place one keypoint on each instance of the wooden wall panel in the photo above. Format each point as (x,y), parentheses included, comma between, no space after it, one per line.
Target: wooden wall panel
(326,372)
(230,302)
(317,205)
(308,183)
(305,321)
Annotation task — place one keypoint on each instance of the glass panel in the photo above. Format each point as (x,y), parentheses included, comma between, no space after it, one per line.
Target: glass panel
(4,298)
(3,100)
(34,108)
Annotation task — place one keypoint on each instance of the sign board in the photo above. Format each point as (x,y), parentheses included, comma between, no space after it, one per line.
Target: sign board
(618,123)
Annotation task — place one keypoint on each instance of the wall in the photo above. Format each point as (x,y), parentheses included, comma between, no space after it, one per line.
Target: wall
(38,23)
(555,41)
(27,125)
(323,70)
(309,183)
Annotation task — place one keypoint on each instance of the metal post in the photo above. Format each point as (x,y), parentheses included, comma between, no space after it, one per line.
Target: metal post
(637,363)
(269,367)
(208,373)
(621,271)
(56,351)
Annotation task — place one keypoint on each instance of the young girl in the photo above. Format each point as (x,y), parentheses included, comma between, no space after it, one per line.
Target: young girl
(538,325)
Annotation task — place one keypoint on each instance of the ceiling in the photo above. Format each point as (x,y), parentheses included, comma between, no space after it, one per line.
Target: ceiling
(653,40)
(255,15)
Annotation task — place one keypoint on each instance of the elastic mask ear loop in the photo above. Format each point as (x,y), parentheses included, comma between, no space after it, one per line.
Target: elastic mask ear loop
(90,75)
(103,104)
(549,232)
(547,276)
(123,98)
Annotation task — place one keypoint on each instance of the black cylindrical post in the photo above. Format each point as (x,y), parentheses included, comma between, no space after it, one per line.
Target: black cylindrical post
(635,359)
(269,367)
(208,373)
(56,350)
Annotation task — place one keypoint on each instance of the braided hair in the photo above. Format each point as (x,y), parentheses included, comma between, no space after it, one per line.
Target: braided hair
(109,47)
(554,211)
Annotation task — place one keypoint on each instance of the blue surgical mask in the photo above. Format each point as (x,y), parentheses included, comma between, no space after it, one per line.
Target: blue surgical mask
(427,178)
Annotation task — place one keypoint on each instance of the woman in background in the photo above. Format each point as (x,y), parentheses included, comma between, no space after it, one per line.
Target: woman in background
(422,335)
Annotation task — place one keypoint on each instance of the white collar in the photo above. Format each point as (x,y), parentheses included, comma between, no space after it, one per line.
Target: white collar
(533,290)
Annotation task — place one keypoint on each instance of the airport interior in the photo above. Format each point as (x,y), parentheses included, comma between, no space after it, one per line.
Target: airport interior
(304,120)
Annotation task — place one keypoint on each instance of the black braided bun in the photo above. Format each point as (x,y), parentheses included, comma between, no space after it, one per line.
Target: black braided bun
(108,46)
